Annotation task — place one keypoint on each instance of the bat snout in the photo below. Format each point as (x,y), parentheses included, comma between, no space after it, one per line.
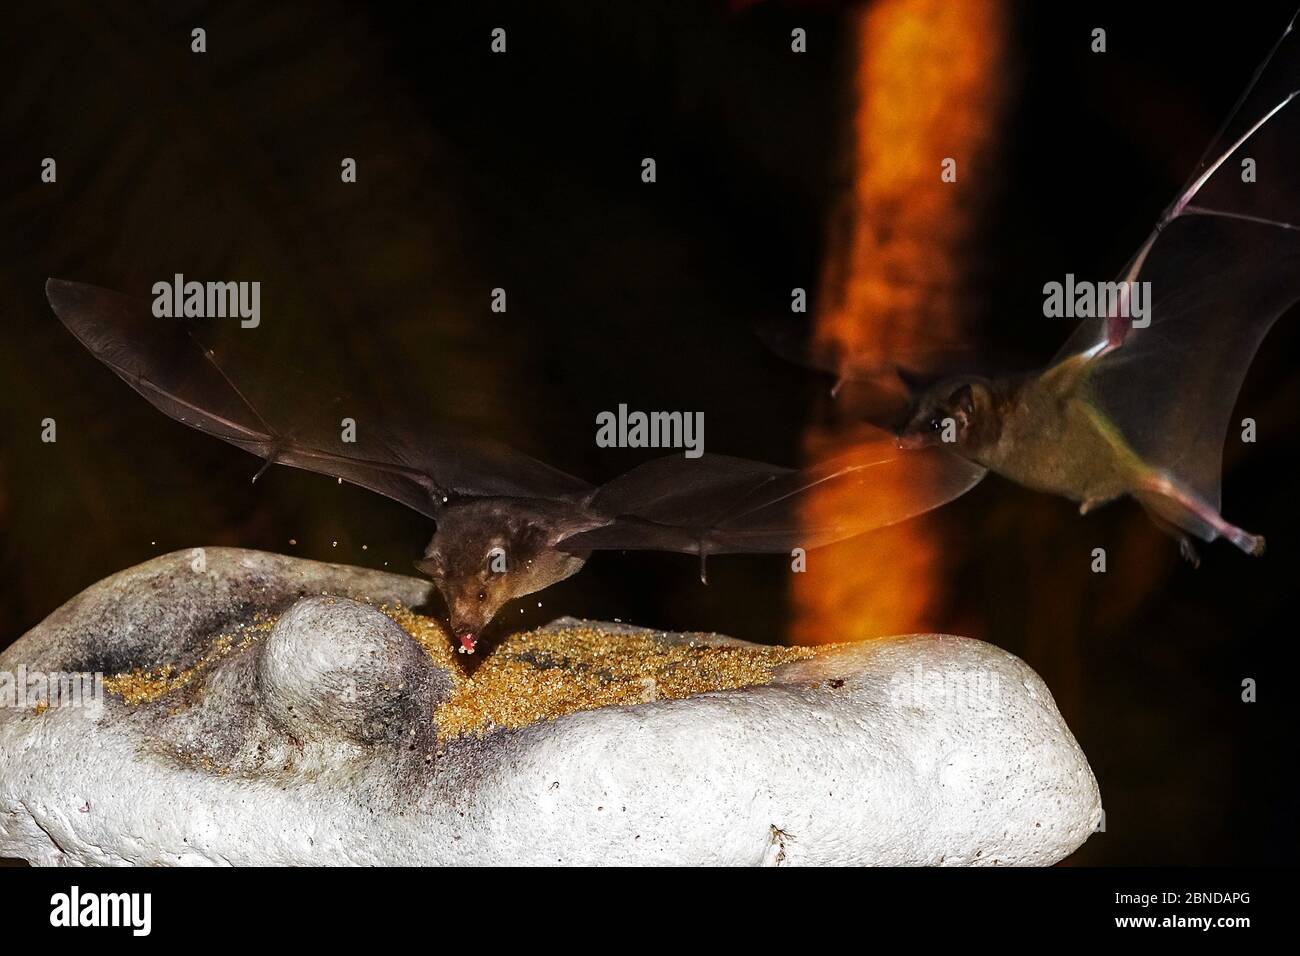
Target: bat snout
(913,441)
(465,631)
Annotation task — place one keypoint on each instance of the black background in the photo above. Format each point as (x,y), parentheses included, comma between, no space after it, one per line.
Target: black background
(522,171)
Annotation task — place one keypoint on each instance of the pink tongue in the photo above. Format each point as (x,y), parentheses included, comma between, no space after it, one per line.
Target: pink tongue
(467,643)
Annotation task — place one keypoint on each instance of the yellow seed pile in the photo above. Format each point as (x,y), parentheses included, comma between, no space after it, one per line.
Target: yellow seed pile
(142,686)
(541,675)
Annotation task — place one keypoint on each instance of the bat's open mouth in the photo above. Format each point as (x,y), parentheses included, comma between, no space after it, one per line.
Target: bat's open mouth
(467,642)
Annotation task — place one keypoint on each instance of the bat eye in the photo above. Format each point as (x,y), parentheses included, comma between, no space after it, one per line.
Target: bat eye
(482,595)
(936,424)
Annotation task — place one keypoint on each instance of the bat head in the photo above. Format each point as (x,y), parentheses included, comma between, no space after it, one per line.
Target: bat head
(950,414)
(486,553)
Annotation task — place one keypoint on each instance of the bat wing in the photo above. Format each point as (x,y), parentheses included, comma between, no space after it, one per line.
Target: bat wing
(880,386)
(164,360)
(923,356)
(1223,265)
(716,504)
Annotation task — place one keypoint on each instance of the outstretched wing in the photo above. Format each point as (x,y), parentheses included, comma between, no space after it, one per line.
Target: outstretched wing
(716,504)
(163,360)
(879,386)
(1223,265)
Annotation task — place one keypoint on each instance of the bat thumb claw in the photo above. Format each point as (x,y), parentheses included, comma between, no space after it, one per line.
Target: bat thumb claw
(271,459)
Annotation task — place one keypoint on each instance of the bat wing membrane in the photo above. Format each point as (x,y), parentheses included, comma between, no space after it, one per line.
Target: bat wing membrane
(1170,389)
(1223,265)
(165,362)
(717,504)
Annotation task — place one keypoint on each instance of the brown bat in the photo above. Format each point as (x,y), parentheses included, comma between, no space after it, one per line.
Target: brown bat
(1140,406)
(507,525)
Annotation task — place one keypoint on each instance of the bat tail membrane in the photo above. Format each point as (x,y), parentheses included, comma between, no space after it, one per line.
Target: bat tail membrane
(160,360)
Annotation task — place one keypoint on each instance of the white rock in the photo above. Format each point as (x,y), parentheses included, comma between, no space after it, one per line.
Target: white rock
(315,745)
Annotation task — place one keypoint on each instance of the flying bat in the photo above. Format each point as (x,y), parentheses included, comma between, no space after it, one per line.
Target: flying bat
(1139,399)
(507,525)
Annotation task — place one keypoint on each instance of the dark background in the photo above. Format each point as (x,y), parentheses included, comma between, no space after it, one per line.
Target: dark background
(522,171)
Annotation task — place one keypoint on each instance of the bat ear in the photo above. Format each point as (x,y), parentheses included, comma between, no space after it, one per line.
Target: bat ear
(963,400)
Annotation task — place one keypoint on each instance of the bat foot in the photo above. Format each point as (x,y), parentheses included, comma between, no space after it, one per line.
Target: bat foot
(1160,491)
(1252,544)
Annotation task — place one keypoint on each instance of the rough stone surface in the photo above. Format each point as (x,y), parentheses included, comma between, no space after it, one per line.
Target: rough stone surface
(313,742)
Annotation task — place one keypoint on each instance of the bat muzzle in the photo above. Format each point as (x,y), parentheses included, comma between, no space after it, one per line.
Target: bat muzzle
(914,441)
